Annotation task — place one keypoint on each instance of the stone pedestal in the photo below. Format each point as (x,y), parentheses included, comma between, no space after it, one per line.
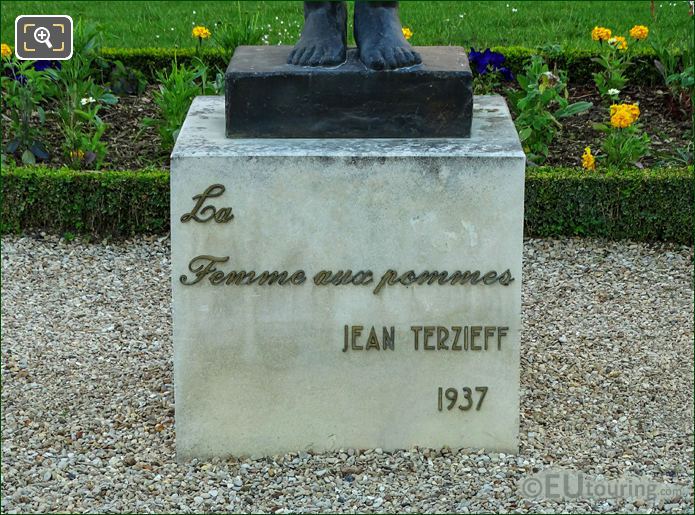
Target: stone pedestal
(417,345)
(267,98)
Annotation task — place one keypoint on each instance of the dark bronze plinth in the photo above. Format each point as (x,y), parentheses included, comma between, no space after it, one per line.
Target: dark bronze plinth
(267,98)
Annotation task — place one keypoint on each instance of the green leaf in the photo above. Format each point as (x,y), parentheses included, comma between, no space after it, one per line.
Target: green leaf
(524,134)
(52,73)
(83,114)
(28,158)
(572,109)
(109,98)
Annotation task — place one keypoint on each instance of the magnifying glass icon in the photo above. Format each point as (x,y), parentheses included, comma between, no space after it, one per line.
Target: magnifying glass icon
(43,36)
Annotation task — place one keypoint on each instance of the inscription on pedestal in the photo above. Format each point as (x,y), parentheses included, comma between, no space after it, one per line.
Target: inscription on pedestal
(355,296)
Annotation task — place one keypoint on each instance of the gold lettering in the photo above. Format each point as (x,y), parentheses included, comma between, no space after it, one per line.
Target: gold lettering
(490,277)
(356,332)
(322,278)
(298,277)
(272,278)
(408,278)
(372,340)
(239,277)
(489,331)
(388,278)
(505,278)
(501,331)
(202,270)
(457,330)
(442,335)
(342,278)
(363,277)
(475,331)
(432,277)
(222,216)
(416,330)
(217,277)
(389,338)
(429,331)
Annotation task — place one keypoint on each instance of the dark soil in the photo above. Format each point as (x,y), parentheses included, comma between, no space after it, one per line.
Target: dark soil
(665,120)
(130,147)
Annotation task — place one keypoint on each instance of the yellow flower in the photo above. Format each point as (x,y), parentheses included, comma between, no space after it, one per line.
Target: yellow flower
(77,154)
(601,34)
(621,120)
(6,50)
(407,33)
(624,115)
(633,109)
(588,159)
(639,32)
(618,42)
(201,32)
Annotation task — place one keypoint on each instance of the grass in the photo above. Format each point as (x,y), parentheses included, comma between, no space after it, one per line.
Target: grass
(150,23)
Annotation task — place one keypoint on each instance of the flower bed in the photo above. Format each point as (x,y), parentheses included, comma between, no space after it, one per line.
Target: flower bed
(132,146)
(122,109)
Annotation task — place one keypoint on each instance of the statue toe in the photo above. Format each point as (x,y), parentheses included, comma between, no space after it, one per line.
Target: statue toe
(332,57)
(415,57)
(296,55)
(316,56)
(389,58)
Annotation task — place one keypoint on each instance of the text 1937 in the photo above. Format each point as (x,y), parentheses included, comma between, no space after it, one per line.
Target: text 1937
(452,396)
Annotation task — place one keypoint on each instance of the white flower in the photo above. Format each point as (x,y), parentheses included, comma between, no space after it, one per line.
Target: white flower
(86,101)
(613,92)
(514,10)
(193,12)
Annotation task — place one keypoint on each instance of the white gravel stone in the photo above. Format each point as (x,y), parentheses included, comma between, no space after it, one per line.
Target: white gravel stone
(88,408)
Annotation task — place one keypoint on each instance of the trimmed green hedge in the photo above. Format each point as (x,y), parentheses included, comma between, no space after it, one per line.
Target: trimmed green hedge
(98,203)
(650,204)
(577,63)
(645,205)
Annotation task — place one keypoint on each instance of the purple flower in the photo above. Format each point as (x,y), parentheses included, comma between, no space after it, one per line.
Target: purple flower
(489,61)
(40,66)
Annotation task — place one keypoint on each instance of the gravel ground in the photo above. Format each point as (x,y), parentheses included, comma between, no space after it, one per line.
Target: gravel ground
(87,419)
